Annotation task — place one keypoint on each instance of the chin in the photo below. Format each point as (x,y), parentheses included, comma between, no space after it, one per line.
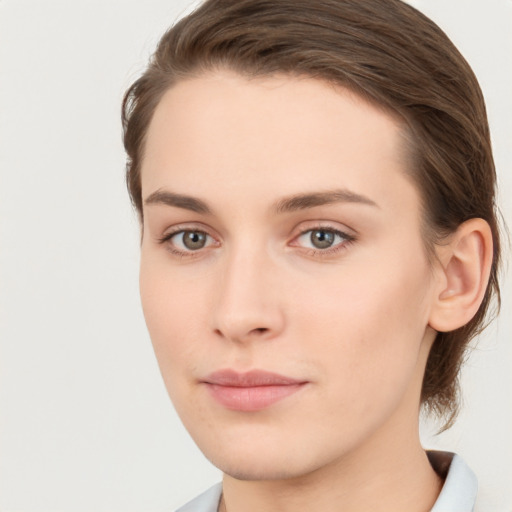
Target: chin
(256,470)
(258,462)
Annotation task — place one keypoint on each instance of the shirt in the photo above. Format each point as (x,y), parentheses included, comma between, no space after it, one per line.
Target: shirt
(457,495)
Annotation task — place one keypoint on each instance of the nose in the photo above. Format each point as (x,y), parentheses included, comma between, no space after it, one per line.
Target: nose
(248,305)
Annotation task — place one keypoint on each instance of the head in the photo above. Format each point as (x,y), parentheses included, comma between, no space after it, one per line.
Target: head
(385,65)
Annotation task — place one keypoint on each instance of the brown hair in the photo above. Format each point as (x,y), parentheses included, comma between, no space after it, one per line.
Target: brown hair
(392,55)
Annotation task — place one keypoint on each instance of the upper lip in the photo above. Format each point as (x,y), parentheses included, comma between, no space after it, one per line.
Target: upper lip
(249,379)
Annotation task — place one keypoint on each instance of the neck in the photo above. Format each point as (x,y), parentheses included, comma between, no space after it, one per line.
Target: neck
(391,472)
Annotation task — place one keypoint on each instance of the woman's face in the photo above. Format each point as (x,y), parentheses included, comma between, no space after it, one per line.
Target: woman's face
(284,279)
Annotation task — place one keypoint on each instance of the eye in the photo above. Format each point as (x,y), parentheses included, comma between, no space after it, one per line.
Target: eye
(188,240)
(322,238)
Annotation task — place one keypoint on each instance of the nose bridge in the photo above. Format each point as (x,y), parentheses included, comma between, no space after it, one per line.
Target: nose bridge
(247,304)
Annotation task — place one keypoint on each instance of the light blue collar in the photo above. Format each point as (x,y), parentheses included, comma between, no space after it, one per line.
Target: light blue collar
(460,487)
(208,501)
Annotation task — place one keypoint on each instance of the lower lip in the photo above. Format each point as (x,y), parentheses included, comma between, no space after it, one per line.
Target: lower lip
(253,398)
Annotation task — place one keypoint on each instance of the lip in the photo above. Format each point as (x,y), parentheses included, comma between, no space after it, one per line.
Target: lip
(250,391)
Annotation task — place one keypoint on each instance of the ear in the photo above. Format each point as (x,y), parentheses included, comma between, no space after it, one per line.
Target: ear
(463,272)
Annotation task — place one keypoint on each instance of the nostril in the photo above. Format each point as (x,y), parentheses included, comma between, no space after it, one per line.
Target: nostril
(246,335)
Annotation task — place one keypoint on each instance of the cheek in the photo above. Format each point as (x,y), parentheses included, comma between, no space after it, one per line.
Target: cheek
(366,327)
(173,314)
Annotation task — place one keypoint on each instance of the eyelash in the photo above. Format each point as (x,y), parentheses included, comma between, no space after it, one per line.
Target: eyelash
(330,251)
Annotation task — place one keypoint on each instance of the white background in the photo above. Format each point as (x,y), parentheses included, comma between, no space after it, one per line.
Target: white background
(85,422)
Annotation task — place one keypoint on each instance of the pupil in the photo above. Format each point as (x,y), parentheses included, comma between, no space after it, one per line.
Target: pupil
(194,240)
(322,239)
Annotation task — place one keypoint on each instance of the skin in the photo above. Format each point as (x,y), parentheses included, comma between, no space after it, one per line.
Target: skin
(352,320)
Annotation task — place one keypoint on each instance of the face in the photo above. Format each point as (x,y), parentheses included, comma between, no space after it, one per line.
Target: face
(284,279)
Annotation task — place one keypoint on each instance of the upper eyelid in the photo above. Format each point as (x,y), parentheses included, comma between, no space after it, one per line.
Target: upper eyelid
(325,228)
(328,225)
(178,228)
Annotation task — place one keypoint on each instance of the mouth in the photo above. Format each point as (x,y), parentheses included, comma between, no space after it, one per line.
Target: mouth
(250,391)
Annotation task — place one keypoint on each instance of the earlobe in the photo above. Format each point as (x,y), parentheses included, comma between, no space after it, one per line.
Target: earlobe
(464,267)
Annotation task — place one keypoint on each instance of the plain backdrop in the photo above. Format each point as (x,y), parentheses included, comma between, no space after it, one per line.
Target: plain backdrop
(86,424)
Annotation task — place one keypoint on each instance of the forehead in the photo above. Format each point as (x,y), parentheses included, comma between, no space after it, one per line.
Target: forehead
(269,136)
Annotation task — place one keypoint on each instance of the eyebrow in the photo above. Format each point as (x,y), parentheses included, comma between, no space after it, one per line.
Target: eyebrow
(305,201)
(179,201)
(285,205)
